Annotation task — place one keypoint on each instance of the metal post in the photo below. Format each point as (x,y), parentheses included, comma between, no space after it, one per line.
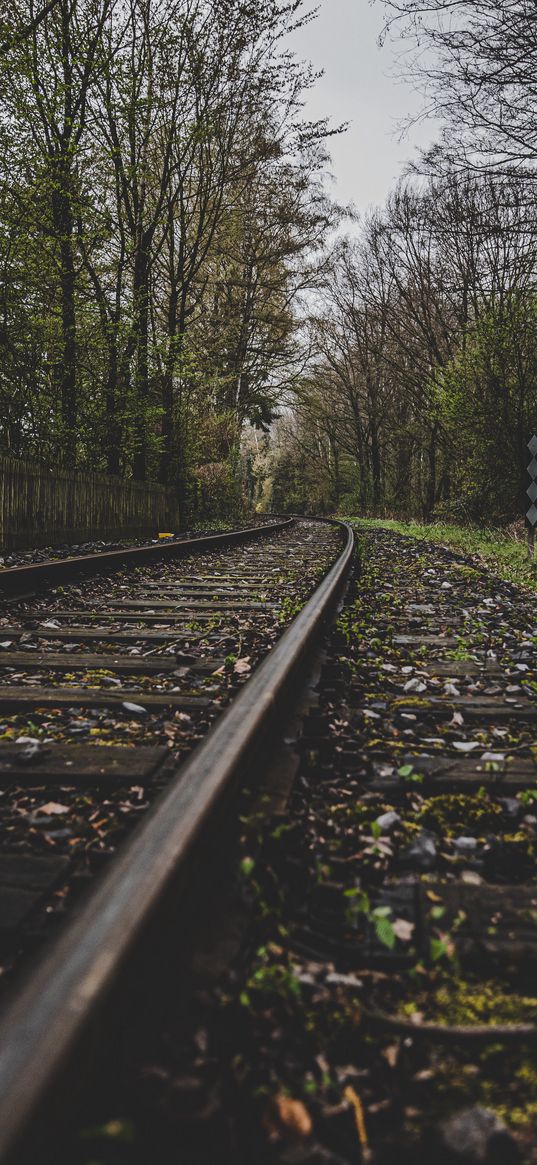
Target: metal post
(531,515)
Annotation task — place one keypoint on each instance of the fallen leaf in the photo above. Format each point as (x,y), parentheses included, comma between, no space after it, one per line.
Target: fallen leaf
(425,1074)
(403,929)
(242,666)
(293,1116)
(52,808)
(391,1054)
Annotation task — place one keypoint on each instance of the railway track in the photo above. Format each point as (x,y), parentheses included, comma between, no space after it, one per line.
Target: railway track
(379,1003)
(113,669)
(319,946)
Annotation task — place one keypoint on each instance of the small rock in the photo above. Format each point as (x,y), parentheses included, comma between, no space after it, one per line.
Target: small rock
(477,1136)
(29,751)
(137,709)
(388,821)
(337,980)
(511,806)
(465,845)
(421,852)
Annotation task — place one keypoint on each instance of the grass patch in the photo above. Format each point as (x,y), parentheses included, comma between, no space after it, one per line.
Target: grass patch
(489,549)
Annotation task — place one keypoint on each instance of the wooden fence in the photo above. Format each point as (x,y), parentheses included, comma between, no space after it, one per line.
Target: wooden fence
(48,507)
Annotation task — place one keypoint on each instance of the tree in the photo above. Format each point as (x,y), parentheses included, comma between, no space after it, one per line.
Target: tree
(424,349)
(476,61)
(160,215)
(54,63)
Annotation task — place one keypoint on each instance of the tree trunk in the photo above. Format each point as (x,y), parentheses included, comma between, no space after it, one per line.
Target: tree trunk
(141,317)
(430,496)
(376,469)
(169,453)
(64,229)
(113,427)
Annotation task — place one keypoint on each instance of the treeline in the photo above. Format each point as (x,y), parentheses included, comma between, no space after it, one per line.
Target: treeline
(161,206)
(421,388)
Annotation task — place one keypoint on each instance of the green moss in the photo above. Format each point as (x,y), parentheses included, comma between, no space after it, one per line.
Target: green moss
(460,1002)
(454,813)
(411,702)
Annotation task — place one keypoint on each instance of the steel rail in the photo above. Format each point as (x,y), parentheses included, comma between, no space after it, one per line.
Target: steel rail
(44,1027)
(16,579)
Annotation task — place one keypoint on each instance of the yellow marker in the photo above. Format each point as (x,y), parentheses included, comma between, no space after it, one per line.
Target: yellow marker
(166,535)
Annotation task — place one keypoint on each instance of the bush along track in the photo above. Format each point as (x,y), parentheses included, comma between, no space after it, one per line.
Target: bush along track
(381,1004)
(105,687)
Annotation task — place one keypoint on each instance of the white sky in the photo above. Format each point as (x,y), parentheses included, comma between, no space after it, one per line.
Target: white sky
(360,86)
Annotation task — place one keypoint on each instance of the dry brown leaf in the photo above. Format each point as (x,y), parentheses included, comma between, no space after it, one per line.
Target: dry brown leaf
(293,1116)
(391,1054)
(52,808)
(242,666)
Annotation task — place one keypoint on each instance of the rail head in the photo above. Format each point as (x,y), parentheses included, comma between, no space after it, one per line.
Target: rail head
(41,1031)
(16,580)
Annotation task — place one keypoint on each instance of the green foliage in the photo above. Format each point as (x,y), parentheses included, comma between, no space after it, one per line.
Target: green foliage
(487,401)
(407,774)
(159,211)
(359,903)
(420,395)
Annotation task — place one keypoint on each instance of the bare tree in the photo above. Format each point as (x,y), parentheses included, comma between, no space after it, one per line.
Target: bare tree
(476,61)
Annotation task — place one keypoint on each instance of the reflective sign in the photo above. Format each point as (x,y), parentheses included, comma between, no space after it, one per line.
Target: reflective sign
(531,491)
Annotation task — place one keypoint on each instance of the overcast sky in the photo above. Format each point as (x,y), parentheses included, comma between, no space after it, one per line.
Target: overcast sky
(360,86)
